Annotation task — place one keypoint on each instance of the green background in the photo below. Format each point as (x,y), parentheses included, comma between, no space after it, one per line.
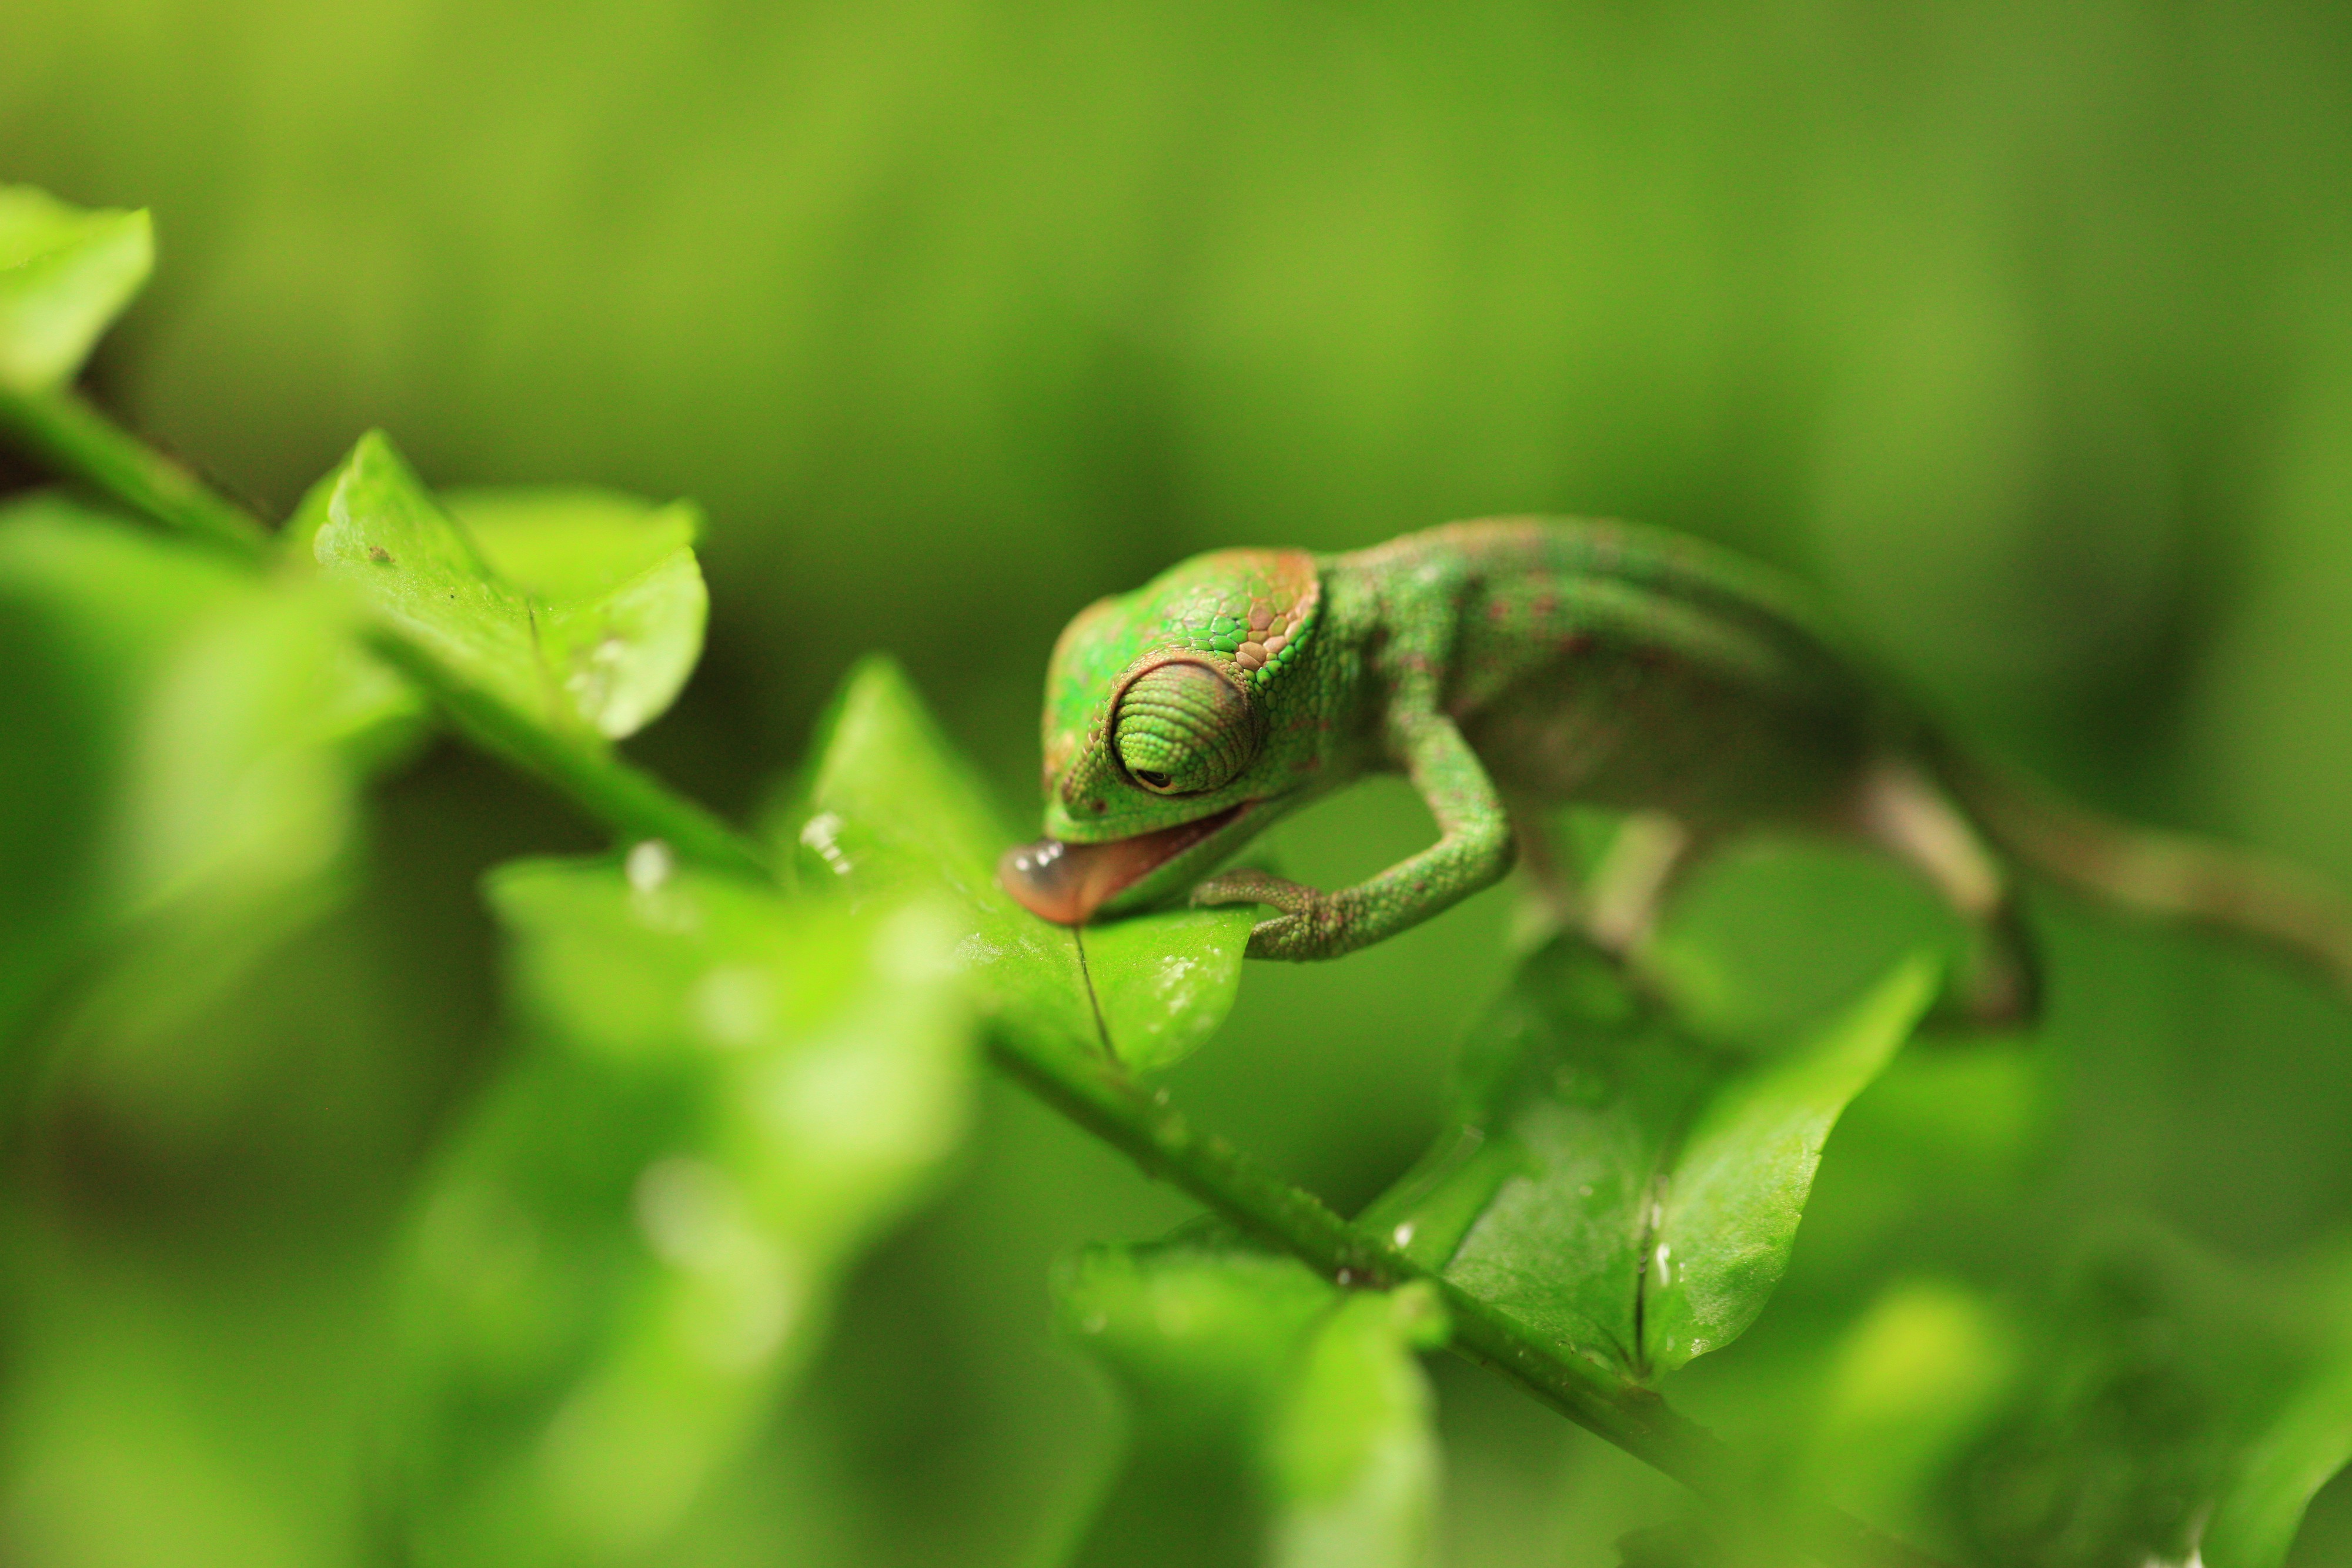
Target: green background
(2023,332)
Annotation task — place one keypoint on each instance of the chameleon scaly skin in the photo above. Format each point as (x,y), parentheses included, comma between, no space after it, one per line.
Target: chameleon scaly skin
(1506,665)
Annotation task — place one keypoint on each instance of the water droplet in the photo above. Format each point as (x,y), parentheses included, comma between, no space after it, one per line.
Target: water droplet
(1346,1279)
(650,864)
(1404,1234)
(822,834)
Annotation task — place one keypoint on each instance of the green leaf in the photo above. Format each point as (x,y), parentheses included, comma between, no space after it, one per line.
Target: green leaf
(65,275)
(2183,1407)
(1276,1420)
(183,744)
(1353,1455)
(2296,1447)
(612,580)
(1916,1380)
(725,1094)
(1620,1188)
(593,636)
(239,806)
(890,807)
(1165,982)
(90,609)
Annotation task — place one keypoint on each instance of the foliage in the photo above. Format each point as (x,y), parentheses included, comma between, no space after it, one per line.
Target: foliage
(1617,1187)
(2181,1407)
(1284,1421)
(582,611)
(193,802)
(726,1092)
(891,807)
(65,275)
(619,1260)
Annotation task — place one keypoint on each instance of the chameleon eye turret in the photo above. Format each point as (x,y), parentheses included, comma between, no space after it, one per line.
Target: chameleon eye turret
(1184,728)
(1180,720)
(1180,726)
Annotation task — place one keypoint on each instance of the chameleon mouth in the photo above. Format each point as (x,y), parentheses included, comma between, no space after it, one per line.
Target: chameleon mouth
(1066,883)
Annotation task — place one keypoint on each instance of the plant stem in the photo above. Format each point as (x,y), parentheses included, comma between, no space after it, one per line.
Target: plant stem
(77,439)
(66,432)
(1158,1137)
(606,788)
(81,441)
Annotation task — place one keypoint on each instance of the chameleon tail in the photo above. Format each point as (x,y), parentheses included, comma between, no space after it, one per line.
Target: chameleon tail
(2168,875)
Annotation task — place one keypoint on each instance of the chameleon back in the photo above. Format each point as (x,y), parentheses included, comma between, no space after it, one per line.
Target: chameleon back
(1625,668)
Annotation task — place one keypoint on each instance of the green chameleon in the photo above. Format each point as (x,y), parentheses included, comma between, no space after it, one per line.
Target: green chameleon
(1512,665)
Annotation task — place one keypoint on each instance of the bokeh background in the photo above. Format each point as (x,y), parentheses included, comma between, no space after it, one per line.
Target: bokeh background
(2023,331)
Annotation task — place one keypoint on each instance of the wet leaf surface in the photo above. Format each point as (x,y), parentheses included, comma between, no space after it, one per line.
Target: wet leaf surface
(593,634)
(617,596)
(1627,1193)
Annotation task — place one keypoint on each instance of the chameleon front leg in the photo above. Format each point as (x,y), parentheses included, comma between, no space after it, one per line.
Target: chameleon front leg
(1473,850)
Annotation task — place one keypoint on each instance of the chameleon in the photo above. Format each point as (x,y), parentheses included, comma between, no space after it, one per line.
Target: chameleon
(1508,667)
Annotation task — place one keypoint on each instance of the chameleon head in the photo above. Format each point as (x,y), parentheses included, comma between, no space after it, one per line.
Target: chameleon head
(1179,722)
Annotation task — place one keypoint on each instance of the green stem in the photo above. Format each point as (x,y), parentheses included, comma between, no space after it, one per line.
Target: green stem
(79,441)
(607,789)
(66,432)
(1158,1137)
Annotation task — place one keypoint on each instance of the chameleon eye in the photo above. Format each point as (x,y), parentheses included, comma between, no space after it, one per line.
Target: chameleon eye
(1184,728)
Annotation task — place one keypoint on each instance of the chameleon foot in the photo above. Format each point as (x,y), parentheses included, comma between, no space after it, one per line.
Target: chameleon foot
(1309,926)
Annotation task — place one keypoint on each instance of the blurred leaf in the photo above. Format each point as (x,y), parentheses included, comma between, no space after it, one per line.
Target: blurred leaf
(2183,1407)
(1276,1419)
(1916,1382)
(65,275)
(1619,1187)
(1354,1457)
(725,1095)
(891,808)
(613,583)
(1678,1545)
(1774,931)
(1660,1546)
(2300,1444)
(89,610)
(182,745)
(1708,1542)
(239,805)
(602,631)
(1871,1422)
